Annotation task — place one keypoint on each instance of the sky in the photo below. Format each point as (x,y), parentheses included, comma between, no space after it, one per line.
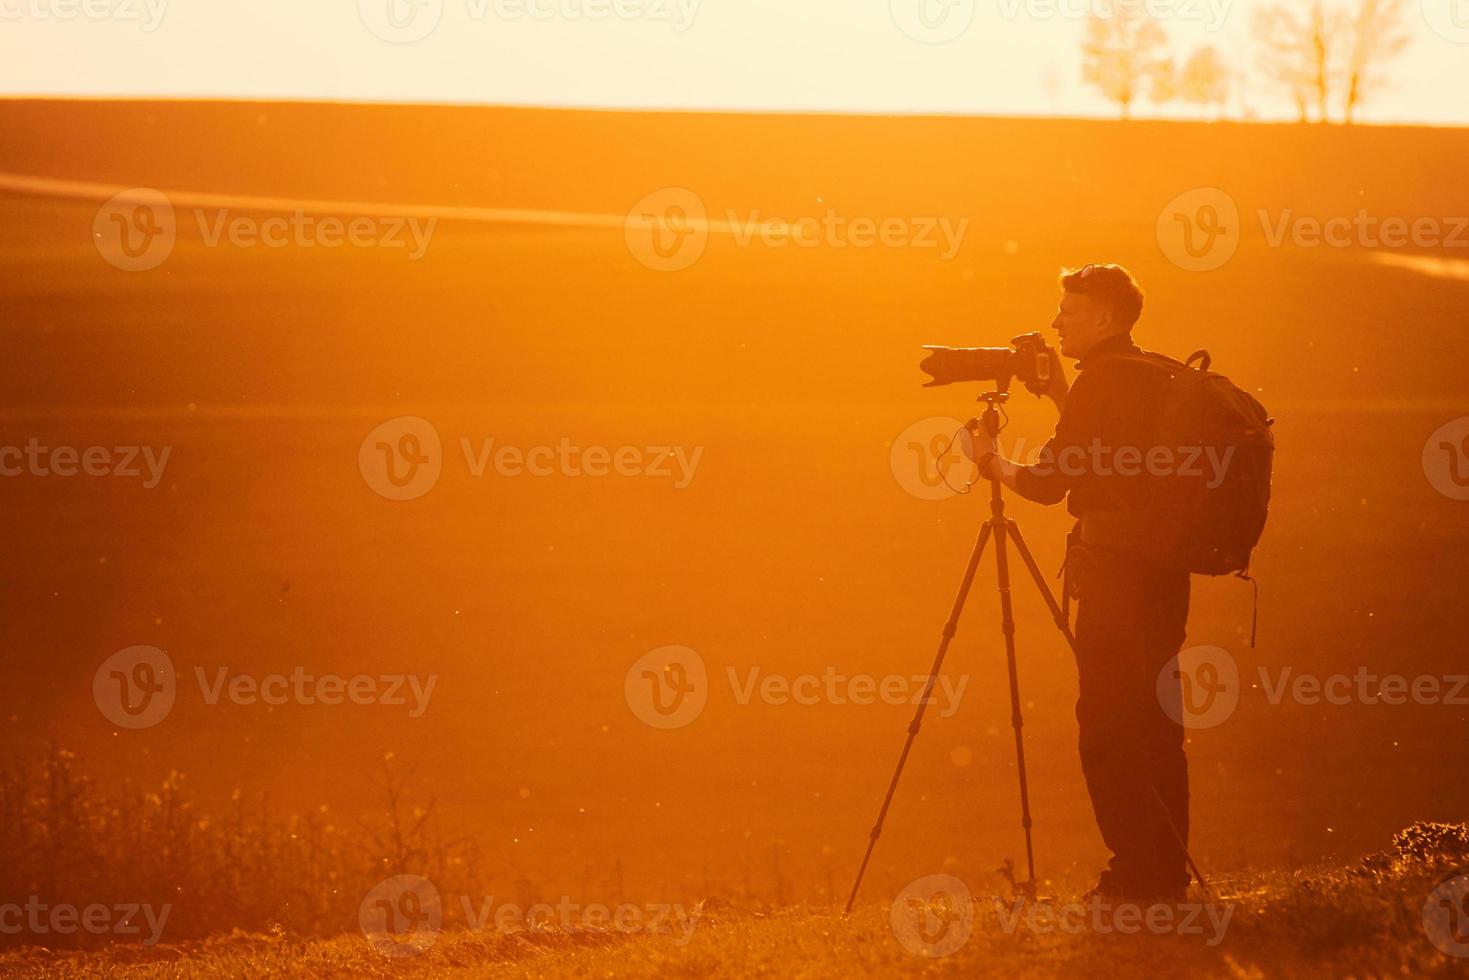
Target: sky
(1017,57)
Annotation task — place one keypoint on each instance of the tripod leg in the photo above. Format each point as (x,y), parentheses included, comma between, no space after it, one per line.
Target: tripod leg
(1178,839)
(1057,613)
(1017,721)
(933,672)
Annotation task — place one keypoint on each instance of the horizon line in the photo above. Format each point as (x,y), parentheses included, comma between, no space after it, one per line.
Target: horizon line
(297,100)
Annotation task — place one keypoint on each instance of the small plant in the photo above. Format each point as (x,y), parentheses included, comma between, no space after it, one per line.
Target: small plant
(65,841)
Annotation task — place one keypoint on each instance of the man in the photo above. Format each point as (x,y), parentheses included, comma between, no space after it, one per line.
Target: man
(1131,611)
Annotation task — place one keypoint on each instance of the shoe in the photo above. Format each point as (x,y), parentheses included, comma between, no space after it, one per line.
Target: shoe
(1151,892)
(1112,887)
(1109,886)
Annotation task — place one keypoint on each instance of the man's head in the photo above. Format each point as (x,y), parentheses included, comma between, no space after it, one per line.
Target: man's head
(1097,302)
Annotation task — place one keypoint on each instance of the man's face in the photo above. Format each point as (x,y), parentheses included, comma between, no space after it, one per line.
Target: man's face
(1081,321)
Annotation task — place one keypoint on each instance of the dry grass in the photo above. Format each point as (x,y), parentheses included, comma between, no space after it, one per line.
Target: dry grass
(64,840)
(1359,921)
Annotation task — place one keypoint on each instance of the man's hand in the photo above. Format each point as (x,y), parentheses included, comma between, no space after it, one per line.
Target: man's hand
(981,440)
(985,450)
(1058,387)
(986,455)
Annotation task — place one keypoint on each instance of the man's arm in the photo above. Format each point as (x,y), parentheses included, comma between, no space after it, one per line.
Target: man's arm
(1003,470)
(1043,483)
(1061,459)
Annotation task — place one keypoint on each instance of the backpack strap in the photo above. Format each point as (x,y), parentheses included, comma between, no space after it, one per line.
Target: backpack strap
(1255,607)
(1202,356)
(1150,357)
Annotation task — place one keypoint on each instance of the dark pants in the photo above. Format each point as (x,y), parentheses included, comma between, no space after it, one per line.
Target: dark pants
(1130,623)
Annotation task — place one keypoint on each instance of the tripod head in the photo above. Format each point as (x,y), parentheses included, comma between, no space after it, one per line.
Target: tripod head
(990,419)
(993,398)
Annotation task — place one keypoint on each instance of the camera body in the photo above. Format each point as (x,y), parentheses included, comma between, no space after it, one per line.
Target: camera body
(1028,358)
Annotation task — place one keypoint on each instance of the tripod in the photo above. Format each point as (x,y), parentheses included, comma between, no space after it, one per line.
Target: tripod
(1001,528)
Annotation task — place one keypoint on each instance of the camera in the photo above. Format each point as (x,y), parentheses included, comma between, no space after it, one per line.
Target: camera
(1028,358)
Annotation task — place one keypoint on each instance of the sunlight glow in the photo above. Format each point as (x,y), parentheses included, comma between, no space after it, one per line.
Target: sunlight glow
(940,56)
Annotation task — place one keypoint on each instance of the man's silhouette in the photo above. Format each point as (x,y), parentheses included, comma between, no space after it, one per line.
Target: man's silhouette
(1131,611)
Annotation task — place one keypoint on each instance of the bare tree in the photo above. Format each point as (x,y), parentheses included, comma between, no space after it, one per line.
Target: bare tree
(1297,50)
(1121,52)
(1204,80)
(1312,49)
(1377,35)
(1325,31)
(1163,82)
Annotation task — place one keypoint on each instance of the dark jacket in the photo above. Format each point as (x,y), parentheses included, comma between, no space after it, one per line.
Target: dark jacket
(1111,406)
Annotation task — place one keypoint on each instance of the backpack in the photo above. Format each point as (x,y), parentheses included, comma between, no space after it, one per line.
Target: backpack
(1209,512)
